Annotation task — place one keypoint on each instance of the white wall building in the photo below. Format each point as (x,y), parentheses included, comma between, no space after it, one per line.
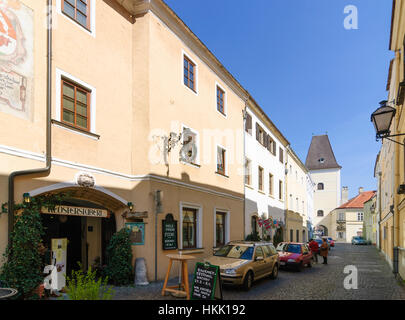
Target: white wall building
(265,154)
(325,173)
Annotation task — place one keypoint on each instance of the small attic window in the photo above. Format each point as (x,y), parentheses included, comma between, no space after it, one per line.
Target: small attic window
(321,160)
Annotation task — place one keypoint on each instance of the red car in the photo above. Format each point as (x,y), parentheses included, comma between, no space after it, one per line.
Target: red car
(294,254)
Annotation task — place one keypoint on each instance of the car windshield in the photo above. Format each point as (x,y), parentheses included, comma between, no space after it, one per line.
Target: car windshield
(294,248)
(281,247)
(235,252)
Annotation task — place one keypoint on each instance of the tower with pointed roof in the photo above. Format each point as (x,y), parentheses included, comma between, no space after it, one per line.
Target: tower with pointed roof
(325,172)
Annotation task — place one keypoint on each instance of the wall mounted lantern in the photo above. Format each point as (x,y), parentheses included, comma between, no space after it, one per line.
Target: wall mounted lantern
(382,119)
(27,198)
(130,206)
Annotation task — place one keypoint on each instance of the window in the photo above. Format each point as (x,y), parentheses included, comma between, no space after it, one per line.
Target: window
(75,105)
(189,73)
(221,158)
(321,186)
(220,229)
(281,155)
(298,235)
(280,190)
(260,178)
(248,177)
(260,135)
(291,235)
(360,216)
(78,10)
(248,123)
(272,146)
(271,178)
(189,228)
(320,213)
(220,100)
(254,224)
(341,216)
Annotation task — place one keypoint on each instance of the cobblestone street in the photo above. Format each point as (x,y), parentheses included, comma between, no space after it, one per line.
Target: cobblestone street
(322,282)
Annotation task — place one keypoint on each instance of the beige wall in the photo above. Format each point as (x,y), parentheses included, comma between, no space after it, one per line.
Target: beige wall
(327,199)
(135,71)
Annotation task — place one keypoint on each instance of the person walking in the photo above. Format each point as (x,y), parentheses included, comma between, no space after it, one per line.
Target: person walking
(314,247)
(324,251)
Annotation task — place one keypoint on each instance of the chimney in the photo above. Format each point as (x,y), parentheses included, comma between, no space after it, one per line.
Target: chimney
(361,189)
(345,195)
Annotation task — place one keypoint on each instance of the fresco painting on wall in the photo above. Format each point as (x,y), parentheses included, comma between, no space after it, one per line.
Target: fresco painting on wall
(16,58)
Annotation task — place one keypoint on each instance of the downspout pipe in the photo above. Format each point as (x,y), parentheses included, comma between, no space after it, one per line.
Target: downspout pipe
(41,171)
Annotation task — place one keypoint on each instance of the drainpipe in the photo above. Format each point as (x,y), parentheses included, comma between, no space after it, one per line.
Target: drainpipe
(42,171)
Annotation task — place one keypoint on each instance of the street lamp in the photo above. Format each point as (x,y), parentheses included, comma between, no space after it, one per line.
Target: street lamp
(382,119)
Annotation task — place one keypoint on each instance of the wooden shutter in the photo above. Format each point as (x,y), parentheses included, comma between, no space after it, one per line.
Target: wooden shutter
(257,132)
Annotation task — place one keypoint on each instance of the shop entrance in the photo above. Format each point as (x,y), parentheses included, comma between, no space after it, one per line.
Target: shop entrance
(88,237)
(69,227)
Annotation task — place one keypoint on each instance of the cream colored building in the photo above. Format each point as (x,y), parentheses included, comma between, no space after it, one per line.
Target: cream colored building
(390,165)
(325,173)
(297,214)
(347,220)
(121,80)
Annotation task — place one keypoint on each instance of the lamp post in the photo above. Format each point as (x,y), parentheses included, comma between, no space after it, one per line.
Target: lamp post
(382,119)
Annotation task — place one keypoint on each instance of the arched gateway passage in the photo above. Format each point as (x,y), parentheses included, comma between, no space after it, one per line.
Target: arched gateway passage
(86,219)
(321,231)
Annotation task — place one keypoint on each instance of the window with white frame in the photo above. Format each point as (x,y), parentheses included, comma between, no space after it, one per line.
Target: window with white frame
(341,216)
(248,172)
(191,226)
(221,161)
(360,216)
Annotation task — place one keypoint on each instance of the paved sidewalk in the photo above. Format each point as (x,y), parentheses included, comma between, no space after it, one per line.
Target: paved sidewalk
(321,282)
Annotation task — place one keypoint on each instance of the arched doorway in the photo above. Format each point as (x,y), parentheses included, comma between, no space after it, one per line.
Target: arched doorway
(86,218)
(321,231)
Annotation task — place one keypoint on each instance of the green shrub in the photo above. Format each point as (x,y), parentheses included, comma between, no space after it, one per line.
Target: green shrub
(23,267)
(82,286)
(253,237)
(119,259)
(278,237)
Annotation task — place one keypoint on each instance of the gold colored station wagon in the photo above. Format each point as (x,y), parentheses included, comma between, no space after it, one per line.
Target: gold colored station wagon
(242,262)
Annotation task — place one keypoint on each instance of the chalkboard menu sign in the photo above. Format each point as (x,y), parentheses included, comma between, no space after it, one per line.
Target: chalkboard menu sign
(206,282)
(169,233)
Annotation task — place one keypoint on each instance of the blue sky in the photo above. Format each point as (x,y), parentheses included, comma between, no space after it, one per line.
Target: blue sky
(307,71)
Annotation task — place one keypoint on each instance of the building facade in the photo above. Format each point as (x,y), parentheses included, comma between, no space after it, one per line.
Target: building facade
(370,220)
(298,200)
(164,139)
(391,158)
(325,173)
(347,221)
(265,156)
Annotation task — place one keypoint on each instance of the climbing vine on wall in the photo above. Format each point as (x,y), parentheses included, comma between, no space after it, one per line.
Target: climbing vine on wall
(22,268)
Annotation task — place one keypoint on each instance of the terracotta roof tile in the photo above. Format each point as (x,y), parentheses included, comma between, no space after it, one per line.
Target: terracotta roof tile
(358,201)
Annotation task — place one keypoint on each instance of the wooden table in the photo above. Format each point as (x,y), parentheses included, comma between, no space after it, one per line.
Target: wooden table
(184,286)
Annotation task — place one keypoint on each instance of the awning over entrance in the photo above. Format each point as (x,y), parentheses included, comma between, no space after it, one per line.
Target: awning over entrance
(97,195)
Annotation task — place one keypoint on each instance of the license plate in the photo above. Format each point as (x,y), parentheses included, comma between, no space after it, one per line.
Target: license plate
(282,263)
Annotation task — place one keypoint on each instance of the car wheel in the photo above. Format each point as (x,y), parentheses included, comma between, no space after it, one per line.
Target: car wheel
(309,265)
(274,274)
(247,282)
(300,267)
